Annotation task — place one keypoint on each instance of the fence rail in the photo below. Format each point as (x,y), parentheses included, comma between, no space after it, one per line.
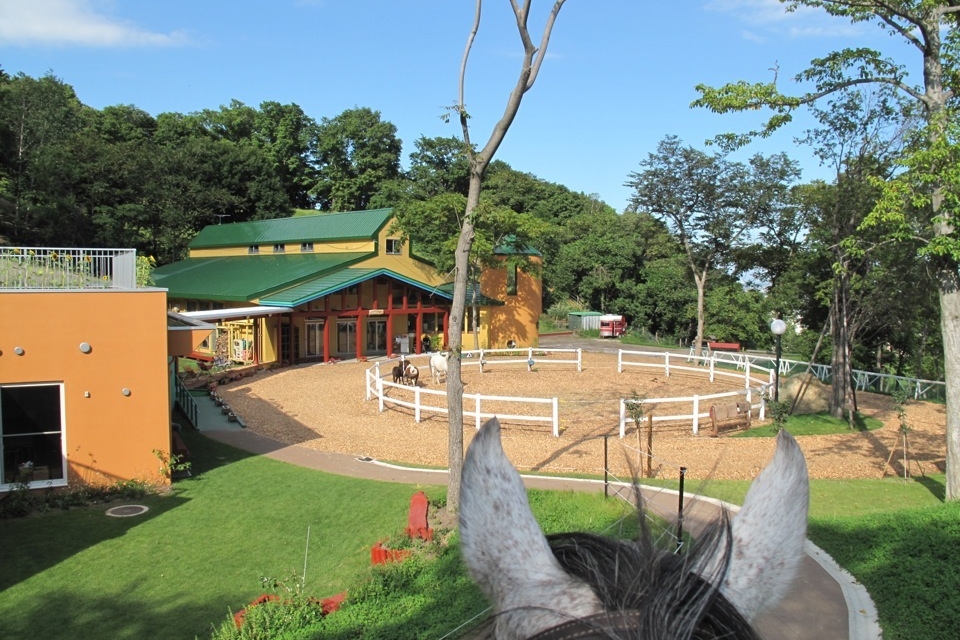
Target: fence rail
(67,268)
(671,362)
(187,403)
(917,388)
(377,386)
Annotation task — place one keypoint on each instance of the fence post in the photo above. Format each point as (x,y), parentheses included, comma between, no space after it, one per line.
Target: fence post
(666,363)
(623,418)
(530,359)
(416,404)
(556,418)
(606,467)
(683,475)
(713,362)
(619,360)
(477,405)
(580,361)
(481,360)
(747,374)
(696,415)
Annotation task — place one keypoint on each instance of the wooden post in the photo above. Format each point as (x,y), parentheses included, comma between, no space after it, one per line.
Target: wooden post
(650,445)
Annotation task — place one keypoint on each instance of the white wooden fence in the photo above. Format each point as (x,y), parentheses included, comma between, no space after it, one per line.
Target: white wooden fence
(666,361)
(473,403)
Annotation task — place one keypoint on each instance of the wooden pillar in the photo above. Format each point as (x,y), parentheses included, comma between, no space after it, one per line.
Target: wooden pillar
(446,328)
(389,332)
(327,321)
(418,348)
(361,332)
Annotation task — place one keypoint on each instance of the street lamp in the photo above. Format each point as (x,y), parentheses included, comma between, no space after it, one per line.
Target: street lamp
(777,327)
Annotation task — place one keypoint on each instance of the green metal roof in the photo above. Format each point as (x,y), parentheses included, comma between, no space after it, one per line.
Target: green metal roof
(246,278)
(333,282)
(322,227)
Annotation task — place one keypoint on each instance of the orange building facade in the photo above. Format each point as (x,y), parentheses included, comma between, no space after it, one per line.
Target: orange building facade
(85,376)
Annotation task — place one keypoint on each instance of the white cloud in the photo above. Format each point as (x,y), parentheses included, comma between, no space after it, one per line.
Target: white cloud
(73,22)
(804,22)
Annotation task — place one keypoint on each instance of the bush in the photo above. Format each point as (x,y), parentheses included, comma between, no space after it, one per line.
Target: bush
(21,501)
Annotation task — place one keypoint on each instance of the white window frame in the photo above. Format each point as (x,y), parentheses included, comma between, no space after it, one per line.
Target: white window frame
(39,484)
(394,247)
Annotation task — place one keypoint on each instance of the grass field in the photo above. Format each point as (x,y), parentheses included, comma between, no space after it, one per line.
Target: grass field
(200,553)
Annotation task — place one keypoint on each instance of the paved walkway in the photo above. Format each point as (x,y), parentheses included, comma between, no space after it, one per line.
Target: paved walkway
(825,602)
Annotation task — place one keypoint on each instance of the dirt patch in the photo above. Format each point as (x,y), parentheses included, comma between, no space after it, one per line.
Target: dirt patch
(323,406)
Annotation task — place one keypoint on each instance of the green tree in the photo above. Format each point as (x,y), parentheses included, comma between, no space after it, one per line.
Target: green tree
(711,205)
(355,153)
(37,118)
(922,201)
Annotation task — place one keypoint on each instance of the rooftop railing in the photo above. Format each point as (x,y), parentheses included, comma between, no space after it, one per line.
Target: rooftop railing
(67,268)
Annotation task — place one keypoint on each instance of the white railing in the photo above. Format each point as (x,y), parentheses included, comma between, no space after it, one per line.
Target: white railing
(667,361)
(530,357)
(67,268)
(422,400)
(917,388)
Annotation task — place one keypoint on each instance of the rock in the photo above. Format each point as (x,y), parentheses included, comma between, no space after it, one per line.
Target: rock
(815,399)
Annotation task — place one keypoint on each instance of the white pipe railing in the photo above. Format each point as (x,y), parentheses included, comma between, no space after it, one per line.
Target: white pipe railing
(43,268)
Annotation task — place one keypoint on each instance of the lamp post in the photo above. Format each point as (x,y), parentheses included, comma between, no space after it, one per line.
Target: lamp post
(777,327)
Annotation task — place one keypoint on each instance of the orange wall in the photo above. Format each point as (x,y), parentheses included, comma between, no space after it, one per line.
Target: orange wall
(108,436)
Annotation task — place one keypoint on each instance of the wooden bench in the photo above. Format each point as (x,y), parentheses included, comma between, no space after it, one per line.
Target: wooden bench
(726,415)
(724,346)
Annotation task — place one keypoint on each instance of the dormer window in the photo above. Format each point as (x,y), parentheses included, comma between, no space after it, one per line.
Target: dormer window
(306,247)
(253,249)
(393,246)
(279,248)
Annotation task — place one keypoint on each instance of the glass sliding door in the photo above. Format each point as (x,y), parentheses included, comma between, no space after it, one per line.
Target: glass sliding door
(31,433)
(346,336)
(376,342)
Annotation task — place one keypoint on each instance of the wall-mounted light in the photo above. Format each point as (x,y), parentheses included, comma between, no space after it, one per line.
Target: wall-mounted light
(86,394)
(125,391)
(18,350)
(85,347)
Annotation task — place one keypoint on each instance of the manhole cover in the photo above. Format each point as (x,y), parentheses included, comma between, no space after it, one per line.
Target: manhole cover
(127,510)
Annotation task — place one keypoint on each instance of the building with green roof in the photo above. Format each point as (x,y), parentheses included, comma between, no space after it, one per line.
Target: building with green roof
(333,285)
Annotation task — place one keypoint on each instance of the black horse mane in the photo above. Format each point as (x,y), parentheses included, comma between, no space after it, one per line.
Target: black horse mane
(663,592)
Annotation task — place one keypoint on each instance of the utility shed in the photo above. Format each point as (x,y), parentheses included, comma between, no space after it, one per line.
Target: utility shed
(583,320)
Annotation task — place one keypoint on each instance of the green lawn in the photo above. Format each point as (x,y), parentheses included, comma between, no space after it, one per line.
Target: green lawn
(813,425)
(199,553)
(196,553)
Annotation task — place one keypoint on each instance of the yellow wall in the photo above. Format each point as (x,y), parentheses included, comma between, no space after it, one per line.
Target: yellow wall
(108,436)
(361,246)
(517,319)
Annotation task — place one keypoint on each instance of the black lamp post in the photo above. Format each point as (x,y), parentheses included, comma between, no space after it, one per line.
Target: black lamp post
(777,327)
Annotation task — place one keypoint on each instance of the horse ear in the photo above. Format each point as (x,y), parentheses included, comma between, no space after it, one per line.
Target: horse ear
(505,550)
(769,532)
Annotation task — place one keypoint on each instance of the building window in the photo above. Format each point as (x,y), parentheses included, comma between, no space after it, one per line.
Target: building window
(511,279)
(306,247)
(279,248)
(468,321)
(31,428)
(253,249)
(393,246)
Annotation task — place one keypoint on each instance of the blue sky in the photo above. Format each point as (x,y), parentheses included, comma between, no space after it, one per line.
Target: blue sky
(619,74)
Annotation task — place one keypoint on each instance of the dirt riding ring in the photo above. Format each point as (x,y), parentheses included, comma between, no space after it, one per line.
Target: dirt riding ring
(325,407)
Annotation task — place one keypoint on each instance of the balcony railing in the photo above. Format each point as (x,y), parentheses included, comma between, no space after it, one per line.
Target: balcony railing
(67,268)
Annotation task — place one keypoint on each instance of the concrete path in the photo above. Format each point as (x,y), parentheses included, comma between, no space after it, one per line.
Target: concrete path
(825,602)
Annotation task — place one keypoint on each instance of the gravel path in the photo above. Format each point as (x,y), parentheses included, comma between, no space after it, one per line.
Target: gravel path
(323,406)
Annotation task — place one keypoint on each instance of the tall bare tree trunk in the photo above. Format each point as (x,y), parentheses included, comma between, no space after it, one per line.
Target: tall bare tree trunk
(530,66)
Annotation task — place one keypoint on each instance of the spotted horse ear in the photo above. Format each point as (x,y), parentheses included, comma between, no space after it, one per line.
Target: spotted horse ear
(505,550)
(768,533)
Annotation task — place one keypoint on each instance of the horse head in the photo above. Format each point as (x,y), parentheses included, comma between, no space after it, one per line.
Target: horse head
(583,585)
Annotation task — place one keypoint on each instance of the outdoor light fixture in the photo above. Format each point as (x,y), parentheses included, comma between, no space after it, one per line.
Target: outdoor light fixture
(777,327)
(18,351)
(85,347)
(125,391)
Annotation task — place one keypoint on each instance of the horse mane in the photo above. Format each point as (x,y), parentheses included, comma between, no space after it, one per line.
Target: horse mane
(662,594)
